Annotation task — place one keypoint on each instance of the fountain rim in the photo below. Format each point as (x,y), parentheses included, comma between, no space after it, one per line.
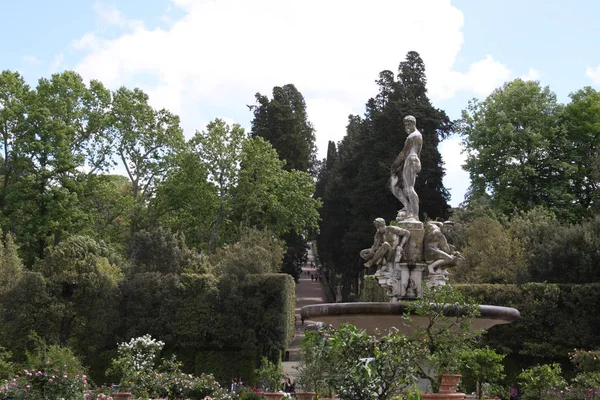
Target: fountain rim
(314,311)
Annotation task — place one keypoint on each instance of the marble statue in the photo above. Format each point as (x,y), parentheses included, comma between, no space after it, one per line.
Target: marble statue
(388,245)
(410,252)
(404,172)
(438,254)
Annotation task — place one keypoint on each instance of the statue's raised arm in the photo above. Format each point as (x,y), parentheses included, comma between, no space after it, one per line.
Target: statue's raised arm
(404,172)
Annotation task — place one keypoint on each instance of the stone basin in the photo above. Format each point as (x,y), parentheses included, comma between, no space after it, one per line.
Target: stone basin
(374,317)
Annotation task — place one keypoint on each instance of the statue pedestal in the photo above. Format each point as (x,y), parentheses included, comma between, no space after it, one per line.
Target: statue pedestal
(413,250)
(402,280)
(438,278)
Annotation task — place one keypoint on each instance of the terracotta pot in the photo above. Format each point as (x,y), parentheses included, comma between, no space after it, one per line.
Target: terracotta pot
(305,395)
(449,383)
(272,396)
(122,396)
(442,396)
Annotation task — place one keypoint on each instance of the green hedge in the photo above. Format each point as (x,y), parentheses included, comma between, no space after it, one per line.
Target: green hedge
(372,292)
(227,364)
(555,318)
(197,316)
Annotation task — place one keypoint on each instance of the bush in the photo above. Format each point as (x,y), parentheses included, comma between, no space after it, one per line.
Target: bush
(51,373)
(540,380)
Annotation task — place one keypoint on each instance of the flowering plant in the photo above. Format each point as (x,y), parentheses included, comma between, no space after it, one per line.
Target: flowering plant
(51,382)
(99,393)
(134,365)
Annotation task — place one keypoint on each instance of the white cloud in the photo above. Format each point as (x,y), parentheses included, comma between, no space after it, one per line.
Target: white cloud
(109,15)
(456,179)
(56,62)
(532,75)
(481,79)
(593,74)
(29,59)
(220,53)
(217,55)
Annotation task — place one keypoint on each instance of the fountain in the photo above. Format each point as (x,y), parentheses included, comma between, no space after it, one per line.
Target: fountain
(409,254)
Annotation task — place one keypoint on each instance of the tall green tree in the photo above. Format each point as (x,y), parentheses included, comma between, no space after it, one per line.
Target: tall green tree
(356,191)
(269,197)
(515,144)
(283,121)
(14,94)
(582,121)
(146,142)
(188,201)
(219,148)
(62,137)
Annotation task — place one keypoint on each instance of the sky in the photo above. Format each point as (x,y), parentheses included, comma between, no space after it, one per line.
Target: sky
(204,59)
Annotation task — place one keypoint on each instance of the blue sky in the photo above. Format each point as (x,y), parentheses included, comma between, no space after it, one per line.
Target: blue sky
(206,58)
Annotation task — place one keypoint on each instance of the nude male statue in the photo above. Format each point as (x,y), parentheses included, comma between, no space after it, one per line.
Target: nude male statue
(388,245)
(404,171)
(436,250)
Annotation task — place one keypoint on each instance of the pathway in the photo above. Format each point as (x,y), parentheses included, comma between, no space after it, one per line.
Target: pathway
(307,292)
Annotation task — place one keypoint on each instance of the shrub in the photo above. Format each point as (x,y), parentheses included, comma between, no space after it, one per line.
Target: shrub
(540,380)
(52,373)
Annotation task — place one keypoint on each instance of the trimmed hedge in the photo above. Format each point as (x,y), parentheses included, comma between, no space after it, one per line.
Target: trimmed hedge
(372,292)
(201,319)
(555,318)
(227,364)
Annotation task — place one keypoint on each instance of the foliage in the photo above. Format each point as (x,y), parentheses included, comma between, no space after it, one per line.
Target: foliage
(135,364)
(537,381)
(81,277)
(225,364)
(187,201)
(314,366)
(270,376)
(52,373)
(271,197)
(157,250)
(146,141)
(582,120)
(572,394)
(6,366)
(372,292)
(249,394)
(587,366)
(26,309)
(357,365)
(555,319)
(526,150)
(220,149)
(206,385)
(357,172)
(11,266)
(283,122)
(491,254)
(256,252)
(447,331)
(482,365)
(53,137)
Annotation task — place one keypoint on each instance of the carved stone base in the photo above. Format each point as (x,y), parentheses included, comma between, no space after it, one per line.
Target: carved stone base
(401,280)
(439,278)
(413,250)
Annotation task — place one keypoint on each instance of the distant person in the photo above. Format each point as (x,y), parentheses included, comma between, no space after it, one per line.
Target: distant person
(288,386)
